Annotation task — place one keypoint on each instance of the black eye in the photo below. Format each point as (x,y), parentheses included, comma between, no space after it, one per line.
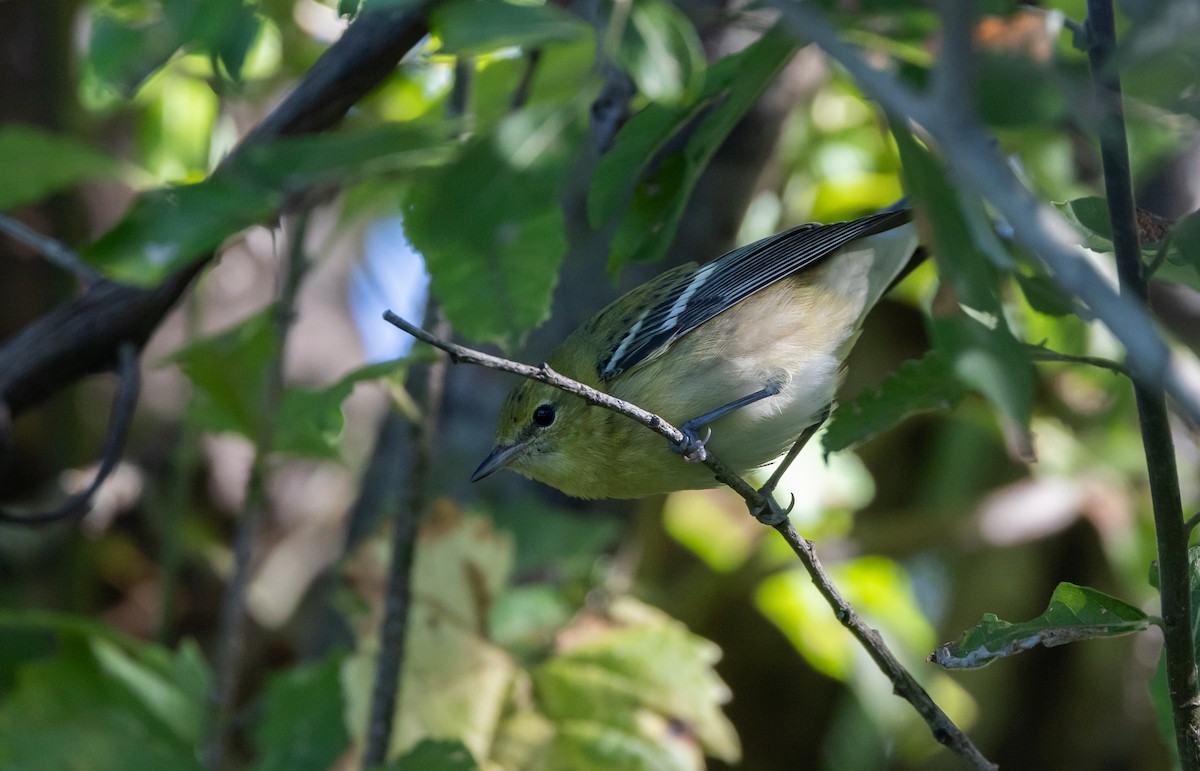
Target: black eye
(543,415)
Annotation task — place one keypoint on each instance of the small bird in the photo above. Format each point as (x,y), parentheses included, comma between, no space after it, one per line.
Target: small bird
(749,347)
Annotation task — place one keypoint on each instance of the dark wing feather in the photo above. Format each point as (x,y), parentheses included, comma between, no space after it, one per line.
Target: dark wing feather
(703,293)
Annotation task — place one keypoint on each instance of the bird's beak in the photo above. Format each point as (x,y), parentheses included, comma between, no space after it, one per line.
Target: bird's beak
(500,456)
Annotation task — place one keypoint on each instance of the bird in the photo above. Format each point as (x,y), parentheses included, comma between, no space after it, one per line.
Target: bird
(750,348)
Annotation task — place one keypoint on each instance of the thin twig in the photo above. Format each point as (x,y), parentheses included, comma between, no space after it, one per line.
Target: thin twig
(230,625)
(124,405)
(53,250)
(386,687)
(520,94)
(1042,353)
(1170,530)
(904,684)
(1160,256)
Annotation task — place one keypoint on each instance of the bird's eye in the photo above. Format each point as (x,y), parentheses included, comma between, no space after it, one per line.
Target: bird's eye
(543,415)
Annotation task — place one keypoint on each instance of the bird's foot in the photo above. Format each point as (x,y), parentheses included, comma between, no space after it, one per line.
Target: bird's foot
(692,446)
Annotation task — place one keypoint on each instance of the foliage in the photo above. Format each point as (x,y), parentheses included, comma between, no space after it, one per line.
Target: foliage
(535,642)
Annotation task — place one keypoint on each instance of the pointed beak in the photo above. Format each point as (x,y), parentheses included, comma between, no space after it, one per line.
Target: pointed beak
(500,456)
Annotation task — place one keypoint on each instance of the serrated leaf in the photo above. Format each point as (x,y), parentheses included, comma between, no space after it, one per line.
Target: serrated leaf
(1075,613)
(490,226)
(478,26)
(921,385)
(166,229)
(659,153)
(303,725)
(988,359)
(38,163)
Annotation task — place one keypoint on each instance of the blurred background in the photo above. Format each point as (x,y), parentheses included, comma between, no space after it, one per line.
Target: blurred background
(573,616)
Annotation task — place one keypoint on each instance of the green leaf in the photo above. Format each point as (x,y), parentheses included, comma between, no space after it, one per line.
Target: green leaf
(1045,296)
(436,755)
(1017,91)
(958,236)
(1182,265)
(101,700)
(166,229)
(228,371)
(1075,613)
(38,163)
(491,228)
(921,385)
(988,359)
(660,153)
(478,26)
(303,725)
(661,51)
(604,685)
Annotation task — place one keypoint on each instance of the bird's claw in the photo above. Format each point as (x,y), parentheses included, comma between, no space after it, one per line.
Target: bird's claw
(771,514)
(692,446)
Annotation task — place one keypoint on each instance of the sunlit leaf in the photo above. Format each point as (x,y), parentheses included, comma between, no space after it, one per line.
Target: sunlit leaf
(490,226)
(921,385)
(1075,613)
(166,229)
(456,680)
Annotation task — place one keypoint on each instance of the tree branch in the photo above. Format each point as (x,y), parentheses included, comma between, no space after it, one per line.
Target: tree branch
(978,166)
(905,685)
(1170,529)
(82,336)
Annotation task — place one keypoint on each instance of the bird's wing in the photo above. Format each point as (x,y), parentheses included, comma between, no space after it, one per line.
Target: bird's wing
(687,299)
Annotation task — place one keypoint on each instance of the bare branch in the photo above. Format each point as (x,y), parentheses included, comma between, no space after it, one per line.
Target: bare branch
(52,249)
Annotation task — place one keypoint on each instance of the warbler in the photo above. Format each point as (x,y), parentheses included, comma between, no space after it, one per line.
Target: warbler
(749,347)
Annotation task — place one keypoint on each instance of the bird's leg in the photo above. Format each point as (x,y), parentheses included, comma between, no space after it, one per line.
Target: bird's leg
(771,513)
(692,446)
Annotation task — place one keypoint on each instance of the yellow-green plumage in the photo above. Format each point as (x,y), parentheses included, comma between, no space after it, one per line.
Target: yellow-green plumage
(794,333)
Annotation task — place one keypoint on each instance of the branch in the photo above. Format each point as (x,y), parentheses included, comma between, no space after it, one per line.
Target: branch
(904,684)
(230,624)
(971,153)
(54,251)
(82,336)
(1171,532)
(398,600)
(124,405)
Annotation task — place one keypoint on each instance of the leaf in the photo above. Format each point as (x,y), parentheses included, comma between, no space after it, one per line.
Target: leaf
(961,260)
(456,681)
(1045,296)
(167,229)
(491,228)
(922,385)
(600,687)
(303,725)
(431,755)
(38,163)
(101,699)
(228,371)
(661,51)
(1183,258)
(479,26)
(660,153)
(988,359)
(1075,613)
